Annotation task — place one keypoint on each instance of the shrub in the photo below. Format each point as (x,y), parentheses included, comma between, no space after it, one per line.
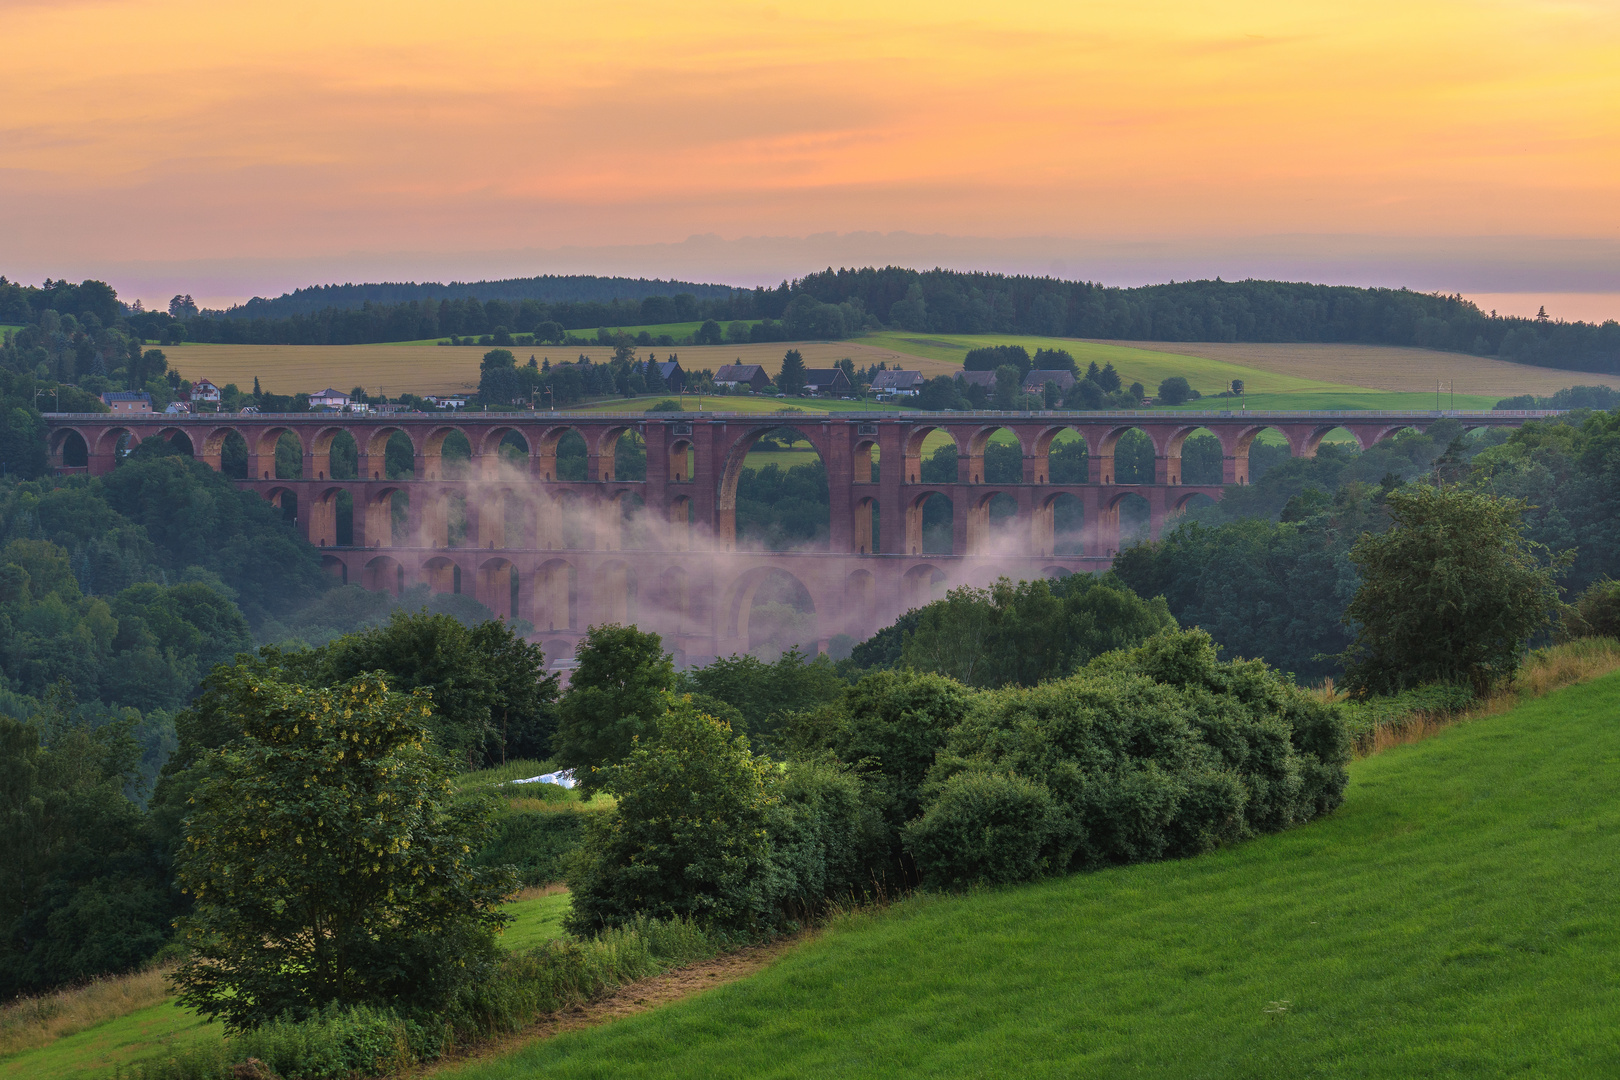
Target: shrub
(983,827)
(667,405)
(1595,613)
(890,725)
(534,843)
(827,840)
(1174,391)
(688,836)
(1150,753)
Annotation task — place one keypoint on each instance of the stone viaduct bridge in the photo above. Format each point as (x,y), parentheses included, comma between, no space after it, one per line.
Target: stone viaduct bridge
(503,525)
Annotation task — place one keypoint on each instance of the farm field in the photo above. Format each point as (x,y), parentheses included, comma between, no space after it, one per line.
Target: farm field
(1387,367)
(1276,376)
(1453,918)
(449,369)
(1148,364)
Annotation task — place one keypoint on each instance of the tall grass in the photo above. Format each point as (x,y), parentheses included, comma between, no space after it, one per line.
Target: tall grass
(1379,724)
(32,1022)
(524,987)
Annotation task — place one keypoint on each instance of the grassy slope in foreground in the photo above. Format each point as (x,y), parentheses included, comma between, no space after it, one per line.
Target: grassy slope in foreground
(1454,917)
(165,1027)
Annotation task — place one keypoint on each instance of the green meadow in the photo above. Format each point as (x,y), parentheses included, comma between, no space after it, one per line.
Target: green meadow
(1455,917)
(165,1028)
(149,1033)
(1264,390)
(752,405)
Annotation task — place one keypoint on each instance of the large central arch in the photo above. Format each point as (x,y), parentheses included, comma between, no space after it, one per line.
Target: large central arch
(732,473)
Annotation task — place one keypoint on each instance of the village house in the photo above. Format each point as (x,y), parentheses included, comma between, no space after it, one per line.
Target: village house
(328,399)
(1035,382)
(986,379)
(750,376)
(670,371)
(826,381)
(204,391)
(123,401)
(897,383)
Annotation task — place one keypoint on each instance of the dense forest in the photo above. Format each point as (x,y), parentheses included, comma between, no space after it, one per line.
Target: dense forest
(547,287)
(835,304)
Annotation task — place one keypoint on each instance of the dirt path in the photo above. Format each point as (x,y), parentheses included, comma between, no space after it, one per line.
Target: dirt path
(628,1000)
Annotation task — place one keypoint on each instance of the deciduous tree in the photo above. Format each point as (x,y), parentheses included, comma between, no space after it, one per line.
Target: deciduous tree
(1451,593)
(328,860)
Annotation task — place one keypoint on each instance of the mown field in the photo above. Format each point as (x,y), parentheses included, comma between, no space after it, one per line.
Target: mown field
(1453,918)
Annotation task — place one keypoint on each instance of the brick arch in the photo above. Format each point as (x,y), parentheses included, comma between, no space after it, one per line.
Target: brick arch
(379,516)
(496,585)
(1043,524)
(978,519)
(739,599)
(373,452)
(262,449)
(320,449)
(58,444)
(442,574)
(431,450)
(616,593)
(914,516)
(321,515)
(106,444)
(1101,442)
(213,444)
(544,449)
(675,601)
(977,441)
(736,454)
(1041,449)
(912,450)
(174,434)
(859,601)
(556,595)
(607,451)
(920,584)
(383,573)
(682,451)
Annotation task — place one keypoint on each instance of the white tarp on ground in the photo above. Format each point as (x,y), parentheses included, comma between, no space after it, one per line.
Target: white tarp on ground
(565,779)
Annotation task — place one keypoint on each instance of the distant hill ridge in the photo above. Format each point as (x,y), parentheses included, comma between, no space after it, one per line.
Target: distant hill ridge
(547,287)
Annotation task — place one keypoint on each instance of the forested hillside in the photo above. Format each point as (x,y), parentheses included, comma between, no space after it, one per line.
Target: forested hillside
(830,305)
(547,287)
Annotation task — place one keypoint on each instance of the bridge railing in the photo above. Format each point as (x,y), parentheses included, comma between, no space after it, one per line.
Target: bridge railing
(903,414)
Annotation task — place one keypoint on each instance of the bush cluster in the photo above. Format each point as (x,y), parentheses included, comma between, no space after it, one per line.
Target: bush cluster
(1149,753)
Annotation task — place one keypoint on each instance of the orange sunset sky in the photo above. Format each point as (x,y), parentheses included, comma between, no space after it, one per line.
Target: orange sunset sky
(175,132)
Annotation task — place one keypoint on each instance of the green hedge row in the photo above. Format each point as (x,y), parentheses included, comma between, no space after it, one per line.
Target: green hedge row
(1147,753)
